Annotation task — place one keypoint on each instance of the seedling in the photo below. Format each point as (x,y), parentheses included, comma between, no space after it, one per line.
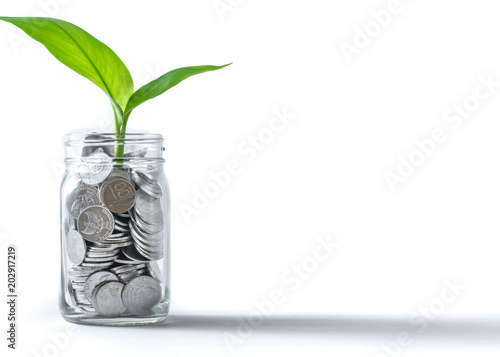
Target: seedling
(95,61)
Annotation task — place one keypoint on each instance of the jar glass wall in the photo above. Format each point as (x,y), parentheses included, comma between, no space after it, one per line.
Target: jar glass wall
(115,230)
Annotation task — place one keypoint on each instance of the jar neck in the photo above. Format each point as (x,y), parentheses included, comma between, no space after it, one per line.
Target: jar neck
(118,147)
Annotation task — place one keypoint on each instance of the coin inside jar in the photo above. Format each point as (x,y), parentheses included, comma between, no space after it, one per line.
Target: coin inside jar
(95,168)
(141,294)
(82,197)
(107,299)
(118,195)
(76,247)
(96,223)
(96,279)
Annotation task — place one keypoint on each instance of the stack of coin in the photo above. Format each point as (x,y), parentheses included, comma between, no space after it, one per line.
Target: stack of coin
(146,218)
(77,277)
(100,258)
(116,240)
(127,272)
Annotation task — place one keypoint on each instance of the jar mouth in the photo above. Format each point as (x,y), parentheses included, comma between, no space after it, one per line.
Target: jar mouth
(106,138)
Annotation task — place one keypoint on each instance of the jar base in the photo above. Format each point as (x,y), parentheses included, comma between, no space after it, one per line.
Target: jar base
(122,321)
(76,316)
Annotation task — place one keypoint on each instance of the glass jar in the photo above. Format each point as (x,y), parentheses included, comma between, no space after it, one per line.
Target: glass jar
(115,230)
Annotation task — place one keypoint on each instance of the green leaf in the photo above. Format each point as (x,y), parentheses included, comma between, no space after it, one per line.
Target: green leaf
(84,54)
(164,83)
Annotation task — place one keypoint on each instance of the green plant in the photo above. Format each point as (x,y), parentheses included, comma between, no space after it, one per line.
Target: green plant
(95,61)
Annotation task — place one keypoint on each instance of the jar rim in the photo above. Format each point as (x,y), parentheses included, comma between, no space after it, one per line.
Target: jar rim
(79,138)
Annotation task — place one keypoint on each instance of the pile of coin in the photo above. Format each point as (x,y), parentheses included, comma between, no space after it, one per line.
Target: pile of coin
(114,239)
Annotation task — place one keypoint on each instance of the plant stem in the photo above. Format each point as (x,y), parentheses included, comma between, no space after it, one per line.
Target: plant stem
(119,144)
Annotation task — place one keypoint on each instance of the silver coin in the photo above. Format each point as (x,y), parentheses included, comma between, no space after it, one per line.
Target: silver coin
(100,259)
(88,309)
(77,288)
(123,215)
(126,277)
(121,228)
(148,207)
(90,147)
(102,265)
(132,253)
(121,237)
(150,254)
(122,259)
(96,279)
(148,239)
(107,299)
(118,240)
(81,298)
(121,222)
(147,183)
(118,194)
(82,197)
(154,271)
(70,295)
(113,245)
(144,226)
(117,233)
(141,152)
(151,244)
(76,247)
(141,294)
(84,271)
(95,168)
(96,223)
(127,268)
(78,279)
(101,254)
(94,248)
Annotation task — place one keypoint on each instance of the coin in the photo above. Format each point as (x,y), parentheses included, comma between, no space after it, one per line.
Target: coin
(82,197)
(120,228)
(123,215)
(101,254)
(150,254)
(127,268)
(118,195)
(143,226)
(99,259)
(135,153)
(113,245)
(71,294)
(132,253)
(154,270)
(126,277)
(96,223)
(88,309)
(141,294)
(148,207)
(107,299)
(147,183)
(96,279)
(102,265)
(91,147)
(124,260)
(146,238)
(76,247)
(79,271)
(95,168)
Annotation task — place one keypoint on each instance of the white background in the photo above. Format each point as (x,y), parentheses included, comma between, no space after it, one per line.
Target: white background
(354,118)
